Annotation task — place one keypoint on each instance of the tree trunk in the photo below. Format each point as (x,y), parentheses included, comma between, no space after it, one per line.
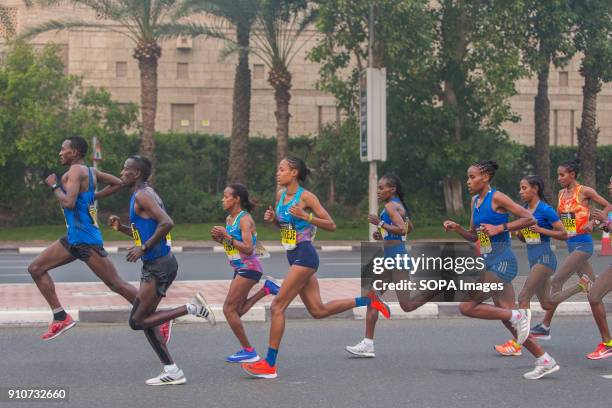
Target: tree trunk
(332,190)
(241,112)
(280,79)
(588,131)
(542,129)
(453,195)
(148,55)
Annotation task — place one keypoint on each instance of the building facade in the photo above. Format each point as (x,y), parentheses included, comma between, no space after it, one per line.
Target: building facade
(196,86)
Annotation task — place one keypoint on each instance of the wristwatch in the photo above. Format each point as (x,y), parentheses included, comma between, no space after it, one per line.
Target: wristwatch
(505,227)
(143,247)
(55,186)
(380,224)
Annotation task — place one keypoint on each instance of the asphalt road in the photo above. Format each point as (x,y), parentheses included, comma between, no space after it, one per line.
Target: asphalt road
(419,363)
(205,265)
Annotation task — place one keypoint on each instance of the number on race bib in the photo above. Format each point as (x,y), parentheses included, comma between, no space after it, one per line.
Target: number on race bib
(231,252)
(485,242)
(93,213)
(288,236)
(531,237)
(135,235)
(569,222)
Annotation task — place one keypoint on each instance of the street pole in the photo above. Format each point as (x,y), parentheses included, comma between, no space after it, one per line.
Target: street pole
(373,176)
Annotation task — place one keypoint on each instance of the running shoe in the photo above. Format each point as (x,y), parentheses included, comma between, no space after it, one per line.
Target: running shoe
(585,283)
(204,310)
(522,325)
(510,348)
(260,369)
(168,378)
(271,285)
(362,349)
(540,332)
(602,351)
(243,356)
(166,330)
(378,304)
(542,370)
(56,328)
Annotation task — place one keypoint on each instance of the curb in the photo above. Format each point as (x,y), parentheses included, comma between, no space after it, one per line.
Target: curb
(120,314)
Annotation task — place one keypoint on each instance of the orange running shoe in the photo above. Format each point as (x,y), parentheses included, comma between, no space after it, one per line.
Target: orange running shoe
(510,348)
(602,351)
(56,328)
(166,330)
(584,283)
(260,369)
(378,304)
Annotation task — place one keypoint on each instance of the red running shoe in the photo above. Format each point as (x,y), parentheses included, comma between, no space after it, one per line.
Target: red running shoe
(378,304)
(260,369)
(602,351)
(166,330)
(57,328)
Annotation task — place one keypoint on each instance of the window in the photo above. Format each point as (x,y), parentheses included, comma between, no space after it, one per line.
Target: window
(258,71)
(121,69)
(182,70)
(8,22)
(182,117)
(563,79)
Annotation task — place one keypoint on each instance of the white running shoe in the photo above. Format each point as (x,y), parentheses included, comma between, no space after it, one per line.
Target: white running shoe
(541,370)
(523,326)
(361,349)
(203,309)
(168,378)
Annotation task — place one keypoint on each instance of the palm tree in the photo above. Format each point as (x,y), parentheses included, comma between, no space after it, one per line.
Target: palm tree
(241,15)
(279,26)
(145,23)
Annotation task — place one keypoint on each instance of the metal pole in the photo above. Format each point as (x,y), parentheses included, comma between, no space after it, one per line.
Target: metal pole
(373,176)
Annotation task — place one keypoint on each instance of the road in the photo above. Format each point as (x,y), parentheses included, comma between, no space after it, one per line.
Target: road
(419,363)
(206,264)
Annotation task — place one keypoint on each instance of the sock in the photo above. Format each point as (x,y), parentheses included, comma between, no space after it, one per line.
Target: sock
(267,290)
(516,315)
(362,301)
(271,357)
(545,327)
(59,314)
(544,359)
(369,342)
(249,349)
(609,344)
(172,368)
(191,309)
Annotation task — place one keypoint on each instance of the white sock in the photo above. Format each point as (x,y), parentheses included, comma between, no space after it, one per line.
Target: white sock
(544,359)
(59,309)
(516,315)
(172,368)
(191,309)
(545,327)
(368,342)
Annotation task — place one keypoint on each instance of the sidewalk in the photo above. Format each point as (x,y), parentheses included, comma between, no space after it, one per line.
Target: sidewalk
(22,304)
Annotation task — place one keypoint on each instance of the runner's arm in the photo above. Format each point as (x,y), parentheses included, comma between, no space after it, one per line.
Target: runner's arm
(246,245)
(113,184)
(397,227)
(68,192)
(524,217)
(320,216)
(558,231)
(164,223)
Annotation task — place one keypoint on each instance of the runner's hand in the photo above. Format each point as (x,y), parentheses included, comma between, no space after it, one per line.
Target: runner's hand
(51,180)
(377,236)
(269,215)
(492,230)
(134,254)
(450,225)
(600,216)
(114,222)
(373,219)
(298,212)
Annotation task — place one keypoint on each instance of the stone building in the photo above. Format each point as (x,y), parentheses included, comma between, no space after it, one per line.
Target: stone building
(195,85)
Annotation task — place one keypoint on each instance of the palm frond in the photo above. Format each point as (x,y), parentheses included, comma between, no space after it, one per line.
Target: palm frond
(170,30)
(56,25)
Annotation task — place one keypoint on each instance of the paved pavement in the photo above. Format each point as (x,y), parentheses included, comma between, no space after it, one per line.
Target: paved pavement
(419,363)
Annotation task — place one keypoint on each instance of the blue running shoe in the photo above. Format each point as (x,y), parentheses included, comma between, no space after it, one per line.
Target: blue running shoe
(540,332)
(272,286)
(243,356)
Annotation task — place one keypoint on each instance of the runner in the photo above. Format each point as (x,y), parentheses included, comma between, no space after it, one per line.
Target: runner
(489,225)
(75,192)
(150,228)
(573,209)
(393,226)
(239,239)
(298,214)
(542,259)
(601,287)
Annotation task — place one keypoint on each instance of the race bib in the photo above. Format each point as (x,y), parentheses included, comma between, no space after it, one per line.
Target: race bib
(231,252)
(569,222)
(485,242)
(530,236)
(93,214)
(288,236)
(169,240)
(383,232)
(135,235)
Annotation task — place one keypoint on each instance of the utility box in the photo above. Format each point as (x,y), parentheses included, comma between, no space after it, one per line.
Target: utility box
(373,114)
